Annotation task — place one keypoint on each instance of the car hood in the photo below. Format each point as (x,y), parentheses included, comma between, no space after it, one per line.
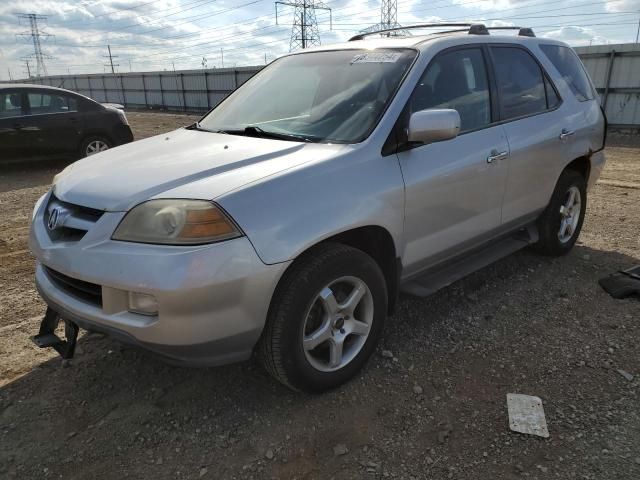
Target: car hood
(180,164)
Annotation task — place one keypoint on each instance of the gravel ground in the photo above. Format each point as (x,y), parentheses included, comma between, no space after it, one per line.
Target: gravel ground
(432,407)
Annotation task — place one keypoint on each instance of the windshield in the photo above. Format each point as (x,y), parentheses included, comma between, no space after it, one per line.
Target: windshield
(333,96)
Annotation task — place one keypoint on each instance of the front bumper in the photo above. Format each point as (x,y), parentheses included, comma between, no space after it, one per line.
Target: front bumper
(212,299)
(122,134)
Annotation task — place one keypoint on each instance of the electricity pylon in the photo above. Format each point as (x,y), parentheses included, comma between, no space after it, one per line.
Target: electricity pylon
(304,31)
(388,19)
(35,35)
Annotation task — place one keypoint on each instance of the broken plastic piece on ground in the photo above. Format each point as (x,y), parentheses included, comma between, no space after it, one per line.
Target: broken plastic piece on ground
(623,283)
(526,415)
(627,376)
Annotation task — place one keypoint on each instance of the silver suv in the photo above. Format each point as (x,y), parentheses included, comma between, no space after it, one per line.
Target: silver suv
(287,220)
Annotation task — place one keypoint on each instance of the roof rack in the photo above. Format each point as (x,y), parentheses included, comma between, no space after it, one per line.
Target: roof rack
(474,29)
(361,36)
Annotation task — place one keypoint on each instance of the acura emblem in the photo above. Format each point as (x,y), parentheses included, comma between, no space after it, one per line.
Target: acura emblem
(54,216)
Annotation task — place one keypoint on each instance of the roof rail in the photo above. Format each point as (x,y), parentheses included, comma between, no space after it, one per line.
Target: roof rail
(474,29)
(361,36)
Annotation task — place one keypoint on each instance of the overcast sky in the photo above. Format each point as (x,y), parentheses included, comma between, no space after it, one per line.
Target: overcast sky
(157,35)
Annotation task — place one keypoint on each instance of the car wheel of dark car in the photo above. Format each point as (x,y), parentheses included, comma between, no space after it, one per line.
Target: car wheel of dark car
(561,222)
(94,144)
(325,318)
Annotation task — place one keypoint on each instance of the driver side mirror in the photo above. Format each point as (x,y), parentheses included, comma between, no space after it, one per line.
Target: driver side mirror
(434,125)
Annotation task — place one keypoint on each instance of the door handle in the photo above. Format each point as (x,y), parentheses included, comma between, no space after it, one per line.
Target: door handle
(566,133)
(495,155)
(18,126)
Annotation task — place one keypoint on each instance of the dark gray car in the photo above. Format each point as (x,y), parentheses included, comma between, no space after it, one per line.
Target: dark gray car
(38,121)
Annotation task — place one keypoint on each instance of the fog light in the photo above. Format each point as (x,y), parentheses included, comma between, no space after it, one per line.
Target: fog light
(143,303)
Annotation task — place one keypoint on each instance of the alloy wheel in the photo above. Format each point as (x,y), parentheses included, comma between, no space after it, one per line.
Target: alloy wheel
(570,214)
(337,324)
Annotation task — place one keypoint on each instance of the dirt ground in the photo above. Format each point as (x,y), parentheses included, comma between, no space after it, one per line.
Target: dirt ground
(436,409)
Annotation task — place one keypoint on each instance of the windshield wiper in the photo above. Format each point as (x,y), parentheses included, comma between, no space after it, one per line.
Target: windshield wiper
(255,131)
(196,126)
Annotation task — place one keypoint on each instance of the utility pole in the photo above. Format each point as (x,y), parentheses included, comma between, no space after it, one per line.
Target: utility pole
(388,19)
(26,62)
(34,36)
(222,57)
(10,77)
(265,58)
(111,57)
(638,32)
(304,31)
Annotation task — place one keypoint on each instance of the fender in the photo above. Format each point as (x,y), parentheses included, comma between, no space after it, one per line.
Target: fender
(285,214)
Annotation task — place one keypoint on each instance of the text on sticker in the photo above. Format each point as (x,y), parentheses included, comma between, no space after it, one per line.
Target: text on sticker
(376,57)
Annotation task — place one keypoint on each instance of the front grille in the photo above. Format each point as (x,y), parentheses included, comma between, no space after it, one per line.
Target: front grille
(73,221)
(89,292)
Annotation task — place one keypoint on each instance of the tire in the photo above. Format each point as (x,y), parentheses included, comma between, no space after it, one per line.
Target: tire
(557,238)
(93,142)
(298,318)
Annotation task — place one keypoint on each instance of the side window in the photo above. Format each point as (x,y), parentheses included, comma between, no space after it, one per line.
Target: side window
(10,104)
(570,67)
(40,102)
(458,80)
(520,81)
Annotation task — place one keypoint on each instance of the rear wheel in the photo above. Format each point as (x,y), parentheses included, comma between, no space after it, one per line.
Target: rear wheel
(560,224)
(94,144)
(325,319)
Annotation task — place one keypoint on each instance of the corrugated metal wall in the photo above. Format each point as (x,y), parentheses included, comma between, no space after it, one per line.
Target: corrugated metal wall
(188,90)
(615,70)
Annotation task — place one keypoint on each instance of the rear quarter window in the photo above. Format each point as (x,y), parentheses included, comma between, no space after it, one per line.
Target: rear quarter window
(570,67)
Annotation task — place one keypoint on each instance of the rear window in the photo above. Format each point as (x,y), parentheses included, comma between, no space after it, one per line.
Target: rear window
(521,83)
(40,103)
(570,67)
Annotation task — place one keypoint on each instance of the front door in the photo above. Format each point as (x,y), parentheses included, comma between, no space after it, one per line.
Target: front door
(454,188)
(53,120)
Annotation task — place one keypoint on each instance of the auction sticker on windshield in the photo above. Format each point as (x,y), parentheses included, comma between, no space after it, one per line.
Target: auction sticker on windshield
(376,57)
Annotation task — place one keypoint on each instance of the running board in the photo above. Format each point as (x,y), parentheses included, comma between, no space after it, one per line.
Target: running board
(443,276)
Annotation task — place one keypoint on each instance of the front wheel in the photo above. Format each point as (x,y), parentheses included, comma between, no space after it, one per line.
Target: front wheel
(560,224)
(325,318)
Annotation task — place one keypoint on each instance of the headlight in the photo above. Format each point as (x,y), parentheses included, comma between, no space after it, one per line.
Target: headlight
(36,207)
(176,222)
(60,174)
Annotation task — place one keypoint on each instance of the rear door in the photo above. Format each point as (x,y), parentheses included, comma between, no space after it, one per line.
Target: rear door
(532,117)
(14,142)
(53,117)
(454,188)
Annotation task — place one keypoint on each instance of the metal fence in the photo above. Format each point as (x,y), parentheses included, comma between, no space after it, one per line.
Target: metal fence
(187,90)
(615,70)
